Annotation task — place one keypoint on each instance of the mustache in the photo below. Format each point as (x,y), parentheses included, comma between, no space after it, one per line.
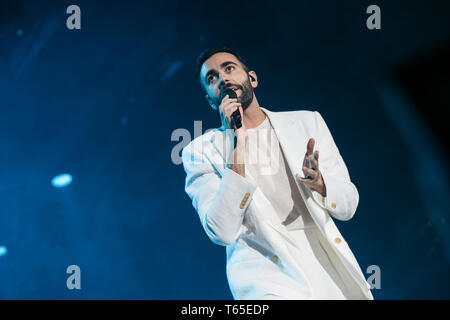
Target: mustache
(229,85)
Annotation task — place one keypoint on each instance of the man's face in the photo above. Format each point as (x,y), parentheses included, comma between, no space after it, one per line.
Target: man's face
(224,69)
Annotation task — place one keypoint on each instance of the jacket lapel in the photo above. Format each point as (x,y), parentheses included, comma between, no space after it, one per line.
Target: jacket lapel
(293,140)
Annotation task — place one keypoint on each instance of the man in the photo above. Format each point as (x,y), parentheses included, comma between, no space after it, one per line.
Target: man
(251,197)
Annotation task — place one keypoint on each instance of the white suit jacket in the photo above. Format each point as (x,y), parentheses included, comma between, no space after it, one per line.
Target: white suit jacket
(235,213)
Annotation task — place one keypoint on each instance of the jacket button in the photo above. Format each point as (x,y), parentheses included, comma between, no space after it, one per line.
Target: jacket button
(251,225)
(333,205)
(337,240)
(275,259)
(244,200)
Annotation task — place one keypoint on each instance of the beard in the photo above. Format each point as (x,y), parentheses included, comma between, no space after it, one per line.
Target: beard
(246,97)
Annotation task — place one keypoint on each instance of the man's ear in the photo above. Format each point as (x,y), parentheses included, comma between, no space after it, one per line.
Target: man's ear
(253,78)
(211,102)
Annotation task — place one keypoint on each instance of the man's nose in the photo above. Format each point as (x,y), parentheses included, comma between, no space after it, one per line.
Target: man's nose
(223,80)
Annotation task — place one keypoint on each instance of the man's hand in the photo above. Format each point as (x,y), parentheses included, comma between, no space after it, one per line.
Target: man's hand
(315,182)
(226,108)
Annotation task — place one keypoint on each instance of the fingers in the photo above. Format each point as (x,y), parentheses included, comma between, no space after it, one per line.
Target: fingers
(313,160)
(241,111)
(225,102)
(310,161)
(306,160)
(227,107)
(310,146)
(232,108)
(309,172)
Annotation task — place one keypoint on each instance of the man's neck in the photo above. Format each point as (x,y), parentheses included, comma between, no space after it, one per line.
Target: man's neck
(253,115)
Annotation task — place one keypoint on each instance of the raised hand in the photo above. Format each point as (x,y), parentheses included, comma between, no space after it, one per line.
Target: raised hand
(313,177)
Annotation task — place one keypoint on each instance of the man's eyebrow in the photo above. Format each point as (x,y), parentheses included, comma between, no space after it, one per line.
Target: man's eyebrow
(223,65)
(226,63)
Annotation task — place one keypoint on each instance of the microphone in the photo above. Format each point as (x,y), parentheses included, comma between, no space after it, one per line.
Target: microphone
(235,116)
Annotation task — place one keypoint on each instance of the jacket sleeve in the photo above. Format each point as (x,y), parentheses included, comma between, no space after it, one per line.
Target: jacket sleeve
(220,201)
(342,196)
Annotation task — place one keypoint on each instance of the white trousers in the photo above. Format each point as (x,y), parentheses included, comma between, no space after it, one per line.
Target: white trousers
(329,279)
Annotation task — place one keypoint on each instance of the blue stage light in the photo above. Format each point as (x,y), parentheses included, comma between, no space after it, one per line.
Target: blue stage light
(3,250)
(62,180)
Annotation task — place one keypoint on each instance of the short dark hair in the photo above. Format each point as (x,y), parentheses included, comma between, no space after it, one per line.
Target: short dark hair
(205,55)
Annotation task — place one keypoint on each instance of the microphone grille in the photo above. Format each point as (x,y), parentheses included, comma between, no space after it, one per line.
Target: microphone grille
(228,91)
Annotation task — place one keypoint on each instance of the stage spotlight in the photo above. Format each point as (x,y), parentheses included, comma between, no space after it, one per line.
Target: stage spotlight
(62,180)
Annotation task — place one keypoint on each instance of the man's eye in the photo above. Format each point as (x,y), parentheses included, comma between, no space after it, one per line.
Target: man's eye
(228,68)
(210,79)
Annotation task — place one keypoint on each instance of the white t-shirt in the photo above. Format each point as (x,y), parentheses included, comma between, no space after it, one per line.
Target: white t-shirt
(266,163)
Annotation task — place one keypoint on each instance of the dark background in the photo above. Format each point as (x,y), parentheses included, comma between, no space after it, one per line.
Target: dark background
(102,102)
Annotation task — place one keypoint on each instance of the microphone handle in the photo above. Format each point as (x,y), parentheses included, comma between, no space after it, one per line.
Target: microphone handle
(236,119)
